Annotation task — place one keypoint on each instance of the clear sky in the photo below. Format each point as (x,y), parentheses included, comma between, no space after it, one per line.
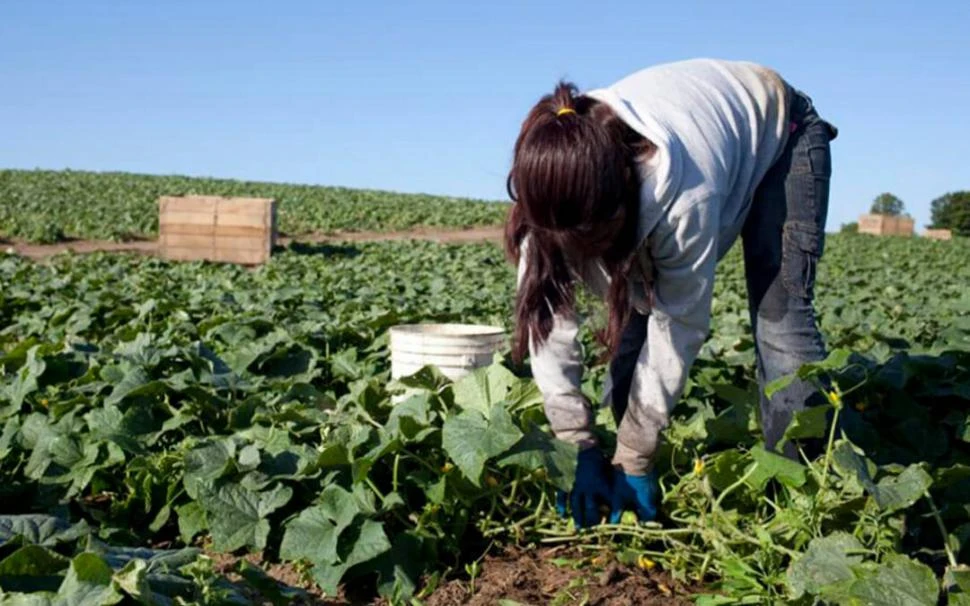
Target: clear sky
(428,96)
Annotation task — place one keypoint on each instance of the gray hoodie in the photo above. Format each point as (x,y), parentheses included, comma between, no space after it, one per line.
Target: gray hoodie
(718,127)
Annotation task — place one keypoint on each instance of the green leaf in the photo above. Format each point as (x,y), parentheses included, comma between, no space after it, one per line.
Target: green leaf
(129,380)
(779,384)
(359,544)
(426,378)
(207,463)
(156,559)
(484,387)
(956,584)
(470,439)
(39,529)
(900,492)
(773,466)
(191,517)
(523,395)
(851,465)
(327,536)
(836,360)
(738,423)
(958,599)
(88,583)
(249,458)
(899,581)
(809,423)
(313,535)
(237,517)
(957,578)
(410,420)
(26,379)
(344,364)
(539,450)
(244,354)
(826,561)
(724,468)
(8,435)
(27,599)
(32,568)
(133,580)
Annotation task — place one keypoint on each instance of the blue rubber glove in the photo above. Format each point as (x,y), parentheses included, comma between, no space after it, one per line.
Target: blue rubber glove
(590,488)
(638,493)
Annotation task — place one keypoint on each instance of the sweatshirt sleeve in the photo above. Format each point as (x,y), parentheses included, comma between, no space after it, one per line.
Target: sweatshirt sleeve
(557,366)
(684,249)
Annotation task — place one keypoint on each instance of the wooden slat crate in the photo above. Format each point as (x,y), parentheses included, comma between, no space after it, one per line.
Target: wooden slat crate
(938,234)
(886,225)
(211,228)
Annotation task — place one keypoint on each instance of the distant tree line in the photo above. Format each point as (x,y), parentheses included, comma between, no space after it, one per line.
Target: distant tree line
(949,211)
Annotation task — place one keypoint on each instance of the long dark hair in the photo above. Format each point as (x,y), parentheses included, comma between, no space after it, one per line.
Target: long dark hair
(575,190)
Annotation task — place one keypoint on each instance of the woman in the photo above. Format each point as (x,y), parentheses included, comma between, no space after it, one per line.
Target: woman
(638,190)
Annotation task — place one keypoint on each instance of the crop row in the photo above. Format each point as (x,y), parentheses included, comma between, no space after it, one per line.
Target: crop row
(48,206)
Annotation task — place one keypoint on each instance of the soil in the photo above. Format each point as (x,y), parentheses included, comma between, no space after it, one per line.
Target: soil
(148,247)
(561,576)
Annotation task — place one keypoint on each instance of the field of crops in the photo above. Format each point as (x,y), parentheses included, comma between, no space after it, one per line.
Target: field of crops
(151,411)
(49,206)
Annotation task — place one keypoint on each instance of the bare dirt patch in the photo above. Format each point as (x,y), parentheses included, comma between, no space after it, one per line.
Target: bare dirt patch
(563,577)
(560,576)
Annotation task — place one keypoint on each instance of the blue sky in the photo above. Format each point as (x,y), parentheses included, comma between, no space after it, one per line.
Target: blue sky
(428,96)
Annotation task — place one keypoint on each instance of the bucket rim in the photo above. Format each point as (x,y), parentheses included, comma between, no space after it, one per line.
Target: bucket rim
(448,330)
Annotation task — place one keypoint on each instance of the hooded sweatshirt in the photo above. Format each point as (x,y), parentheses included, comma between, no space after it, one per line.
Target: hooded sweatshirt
(718,126)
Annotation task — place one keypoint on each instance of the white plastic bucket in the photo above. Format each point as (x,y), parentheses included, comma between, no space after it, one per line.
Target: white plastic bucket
(455,349)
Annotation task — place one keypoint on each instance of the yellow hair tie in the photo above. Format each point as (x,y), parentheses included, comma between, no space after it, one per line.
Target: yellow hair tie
(565,110)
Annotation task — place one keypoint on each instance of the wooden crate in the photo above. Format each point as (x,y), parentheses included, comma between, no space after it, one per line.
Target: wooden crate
(211,228)
(886,225)
(938,234)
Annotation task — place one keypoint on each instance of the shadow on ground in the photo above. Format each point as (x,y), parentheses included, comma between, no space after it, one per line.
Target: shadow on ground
(341,251)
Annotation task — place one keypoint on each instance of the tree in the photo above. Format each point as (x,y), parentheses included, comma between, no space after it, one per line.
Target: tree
(849,228)
(887,204)
(952,211)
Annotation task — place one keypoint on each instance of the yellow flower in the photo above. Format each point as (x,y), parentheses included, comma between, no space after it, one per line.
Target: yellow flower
(646,563)
(44,402)
(835,398)
(664,589)
(698,466)
(447,467)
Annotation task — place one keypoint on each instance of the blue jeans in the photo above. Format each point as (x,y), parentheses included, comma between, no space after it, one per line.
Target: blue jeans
(783,239)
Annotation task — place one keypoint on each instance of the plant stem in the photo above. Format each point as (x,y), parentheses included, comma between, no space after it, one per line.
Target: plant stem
(717,503)
(753,541)
(397,463)
(950,556)
(374,488)
(515,487)
(421,461)
(828,449)
(511,527)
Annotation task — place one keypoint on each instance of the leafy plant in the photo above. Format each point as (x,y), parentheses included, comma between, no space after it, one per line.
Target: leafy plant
(253,410)
(50,206)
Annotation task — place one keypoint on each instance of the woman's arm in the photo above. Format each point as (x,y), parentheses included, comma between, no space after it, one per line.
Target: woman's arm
(557,366)
(684,249)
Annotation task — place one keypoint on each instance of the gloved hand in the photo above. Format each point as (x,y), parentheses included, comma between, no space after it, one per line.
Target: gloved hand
(591,487)
(638,493)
